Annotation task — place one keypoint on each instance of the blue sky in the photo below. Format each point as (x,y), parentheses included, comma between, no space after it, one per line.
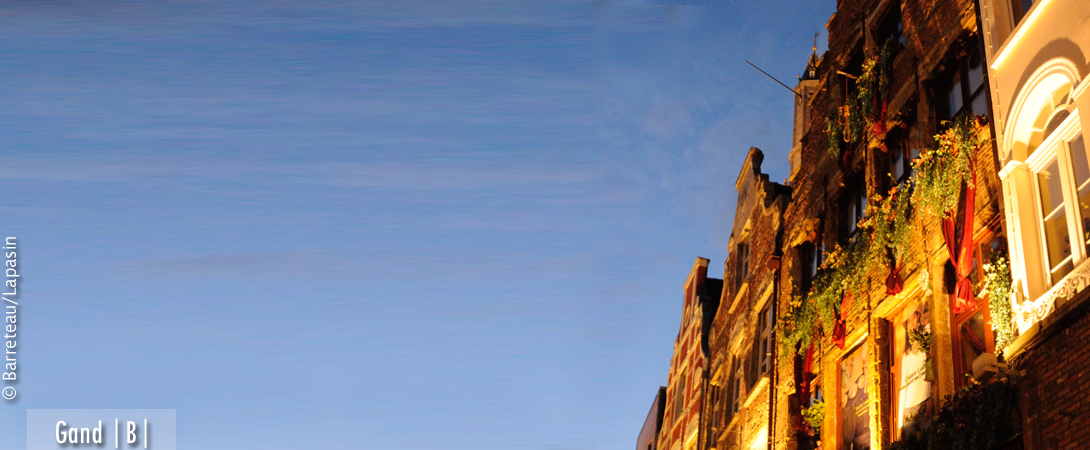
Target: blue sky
(347,225)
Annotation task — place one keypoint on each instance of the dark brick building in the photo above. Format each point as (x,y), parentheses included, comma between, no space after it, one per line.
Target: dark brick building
(649,434)
(685,389)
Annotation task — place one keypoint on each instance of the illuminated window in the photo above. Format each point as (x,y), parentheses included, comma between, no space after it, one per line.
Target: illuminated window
(1062,184)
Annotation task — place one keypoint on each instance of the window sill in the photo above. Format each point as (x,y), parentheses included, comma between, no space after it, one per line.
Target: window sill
(1069,298)
(738,297)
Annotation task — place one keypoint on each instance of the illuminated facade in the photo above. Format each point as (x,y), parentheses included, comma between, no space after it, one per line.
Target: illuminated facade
(742,348)
(909,339)
(873,383)
(1037,53)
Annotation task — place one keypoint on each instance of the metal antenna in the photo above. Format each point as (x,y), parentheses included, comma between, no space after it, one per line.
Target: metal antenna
(773,78)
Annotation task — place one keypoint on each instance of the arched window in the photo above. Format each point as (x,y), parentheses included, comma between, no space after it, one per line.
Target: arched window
(1043,133)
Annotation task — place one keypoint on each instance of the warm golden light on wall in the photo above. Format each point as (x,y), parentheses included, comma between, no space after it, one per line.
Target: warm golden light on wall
(761,441)
(1026,25)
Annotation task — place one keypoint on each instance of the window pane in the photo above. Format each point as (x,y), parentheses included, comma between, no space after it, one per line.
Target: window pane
(953,97)
(1081,167)
(861,212)
(976,73)
(1057,240)
(1026,5)
(972,340)
(913,146)
(980,103)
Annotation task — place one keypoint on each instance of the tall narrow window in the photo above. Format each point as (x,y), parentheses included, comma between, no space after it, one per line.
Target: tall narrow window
(736,404)
(1081,169)
(892,28)
(1057,239)
(679,395)
(741,268)
(764,346)
(856,205)
(901,155)
(810,256)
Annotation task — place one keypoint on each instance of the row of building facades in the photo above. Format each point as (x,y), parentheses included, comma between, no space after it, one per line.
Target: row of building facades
(1019,67)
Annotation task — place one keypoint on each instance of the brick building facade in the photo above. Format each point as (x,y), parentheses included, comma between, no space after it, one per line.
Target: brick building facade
(649,434)
(737,413)
(875,383)
(688,366)
(1037,53)
(921,328)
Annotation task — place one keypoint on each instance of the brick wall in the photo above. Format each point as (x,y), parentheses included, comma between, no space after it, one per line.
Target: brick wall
(1054,393)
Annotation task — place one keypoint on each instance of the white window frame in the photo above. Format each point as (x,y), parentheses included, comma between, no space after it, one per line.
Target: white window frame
(1056,146)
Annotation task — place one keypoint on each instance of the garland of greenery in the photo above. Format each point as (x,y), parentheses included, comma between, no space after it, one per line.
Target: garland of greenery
(846,123)
(886,228)
(889,222)
(818,312)
(940,171)
(978,417)
(997,283)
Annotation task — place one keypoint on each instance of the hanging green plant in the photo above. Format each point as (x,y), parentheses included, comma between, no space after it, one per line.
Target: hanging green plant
(845,126)
(940,171)
(853,117)
(814,416)
(818,312)
(885,230)
(835,131)
(889,221)
(873,85)
(997,283)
